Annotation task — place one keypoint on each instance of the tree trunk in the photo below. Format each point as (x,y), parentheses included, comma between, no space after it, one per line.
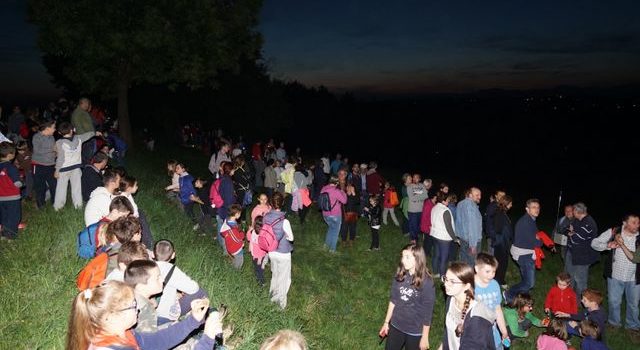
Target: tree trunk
(124,123)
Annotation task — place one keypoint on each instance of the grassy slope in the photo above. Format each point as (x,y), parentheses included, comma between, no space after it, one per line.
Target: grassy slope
(337,301)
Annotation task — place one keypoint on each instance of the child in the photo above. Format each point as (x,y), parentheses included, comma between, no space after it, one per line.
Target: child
(262,208)
(146,280)
(468,323)
(374,214)
(173,190)
(129,187)
(92,174)
(170,307)
(591,339)
(23,160)
(44,160)
(487,291)
(285,339)
(233,236)
(390,202)
(119,207)
(258,255)
(519,318)
(203,188)
(591,299)
(410,309)
(119,232)
(68,165)
(555,337)
(187,192)
(103,317)
(561,297)
(10,184)
(129,251)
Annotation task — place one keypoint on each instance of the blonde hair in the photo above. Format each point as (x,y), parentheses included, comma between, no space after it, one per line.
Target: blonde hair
(90,309)
(285,339)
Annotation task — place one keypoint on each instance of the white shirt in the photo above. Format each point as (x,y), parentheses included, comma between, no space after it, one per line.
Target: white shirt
(179,281)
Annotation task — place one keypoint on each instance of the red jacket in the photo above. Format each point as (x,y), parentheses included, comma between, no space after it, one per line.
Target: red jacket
(561,300)
(425,218)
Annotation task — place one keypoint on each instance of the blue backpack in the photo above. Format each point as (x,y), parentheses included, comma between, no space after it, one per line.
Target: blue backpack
(86,244)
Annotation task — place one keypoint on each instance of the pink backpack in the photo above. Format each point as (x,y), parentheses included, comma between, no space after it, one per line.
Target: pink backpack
(214,194)
(267,239)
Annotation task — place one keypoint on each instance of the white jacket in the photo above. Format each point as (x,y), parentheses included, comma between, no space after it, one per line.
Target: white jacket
(98,205)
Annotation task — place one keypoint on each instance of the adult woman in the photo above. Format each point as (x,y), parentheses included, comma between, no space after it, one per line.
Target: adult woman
(350,220)
(442,232)
(332,214)
(504,235)
(410,309)
(468,324)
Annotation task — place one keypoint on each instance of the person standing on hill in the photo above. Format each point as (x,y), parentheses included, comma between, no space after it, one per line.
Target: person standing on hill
(83,123)
(469,226)
(580,255)
(333,217)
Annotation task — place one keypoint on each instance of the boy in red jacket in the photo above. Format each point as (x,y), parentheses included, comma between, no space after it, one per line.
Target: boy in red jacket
(233,236)
(561,297)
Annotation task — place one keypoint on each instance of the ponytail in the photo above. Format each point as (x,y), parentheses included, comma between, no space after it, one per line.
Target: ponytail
(89,310)
(465,309)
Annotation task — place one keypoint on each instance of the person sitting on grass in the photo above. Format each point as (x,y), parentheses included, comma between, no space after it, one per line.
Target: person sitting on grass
(129,251)
(103,318)
(233,235)
(555,337)
(591,337)
(145,279)
(519,317)
(285,339)
(120,207)
(561,296)
(98,205)
(171,307)
(118,232)
(591,299)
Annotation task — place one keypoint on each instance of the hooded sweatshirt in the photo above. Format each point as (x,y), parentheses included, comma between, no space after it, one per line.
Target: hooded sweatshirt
(69,151)
(97,206)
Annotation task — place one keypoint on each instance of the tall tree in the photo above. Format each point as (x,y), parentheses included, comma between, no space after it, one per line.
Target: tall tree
(104,47)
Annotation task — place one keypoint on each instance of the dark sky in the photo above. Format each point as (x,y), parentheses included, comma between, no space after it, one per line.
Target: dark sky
(409,46)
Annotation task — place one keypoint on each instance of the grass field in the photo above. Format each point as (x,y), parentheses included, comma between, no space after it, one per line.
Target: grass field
(338,301)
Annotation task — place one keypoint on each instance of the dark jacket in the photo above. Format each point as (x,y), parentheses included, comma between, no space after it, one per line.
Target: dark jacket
(579,244)
(477,329)
(228,197)
(374,215)
(503,229)
(525,233)
(353,204)
(489,215)
(91,179)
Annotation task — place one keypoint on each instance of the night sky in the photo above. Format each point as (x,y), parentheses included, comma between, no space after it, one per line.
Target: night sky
(409,46)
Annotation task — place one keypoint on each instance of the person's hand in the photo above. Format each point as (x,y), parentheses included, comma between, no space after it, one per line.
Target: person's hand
(424,343)
(573,324)
(213,326)
(613,245)
(199,308)
(619,239)
(56,174)
(384,330)
(546,310)
(553,249)
(457,241)
(98,133)
(561,314)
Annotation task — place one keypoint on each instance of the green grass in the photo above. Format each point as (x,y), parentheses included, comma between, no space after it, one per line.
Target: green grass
(337,301)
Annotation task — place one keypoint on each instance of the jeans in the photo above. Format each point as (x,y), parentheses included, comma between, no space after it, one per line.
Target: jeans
(427,244)
(220,239)
(501,252)
(350,228)
(579,275)
(259,269)
(414,225)
(10,215)
(331,239)
(440,256)
(527,275)
(43,177)
(466,255)
(631,290)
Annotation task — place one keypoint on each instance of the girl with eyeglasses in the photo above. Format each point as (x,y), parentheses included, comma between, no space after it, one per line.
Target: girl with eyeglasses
(408,317)
(103,317)
(468,323)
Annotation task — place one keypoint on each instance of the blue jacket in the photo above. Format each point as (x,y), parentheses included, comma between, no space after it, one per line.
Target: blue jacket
(228,196)
(525,233)
(186,188)
(469,222)
(579,243)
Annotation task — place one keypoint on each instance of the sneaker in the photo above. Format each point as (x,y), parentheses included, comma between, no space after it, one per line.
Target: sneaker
(196,227)
(376,249)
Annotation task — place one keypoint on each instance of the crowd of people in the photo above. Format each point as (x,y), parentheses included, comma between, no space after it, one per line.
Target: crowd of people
(253,193)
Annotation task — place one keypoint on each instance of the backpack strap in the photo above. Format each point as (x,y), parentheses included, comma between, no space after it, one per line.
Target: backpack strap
(169,274)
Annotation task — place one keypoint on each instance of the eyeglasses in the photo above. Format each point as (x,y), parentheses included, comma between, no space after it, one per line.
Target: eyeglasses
(133,306)
(446,280)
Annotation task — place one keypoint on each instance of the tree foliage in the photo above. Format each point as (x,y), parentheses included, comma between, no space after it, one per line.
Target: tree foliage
(103,47)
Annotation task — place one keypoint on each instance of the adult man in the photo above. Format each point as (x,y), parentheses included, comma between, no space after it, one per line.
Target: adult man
(375,181)
(522,250)
(469,226)
(218,158)
(623,275)
(580,255)
(16,119)
(561,229)
(83,123)
(416,194)
(336,164)
(489,214)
